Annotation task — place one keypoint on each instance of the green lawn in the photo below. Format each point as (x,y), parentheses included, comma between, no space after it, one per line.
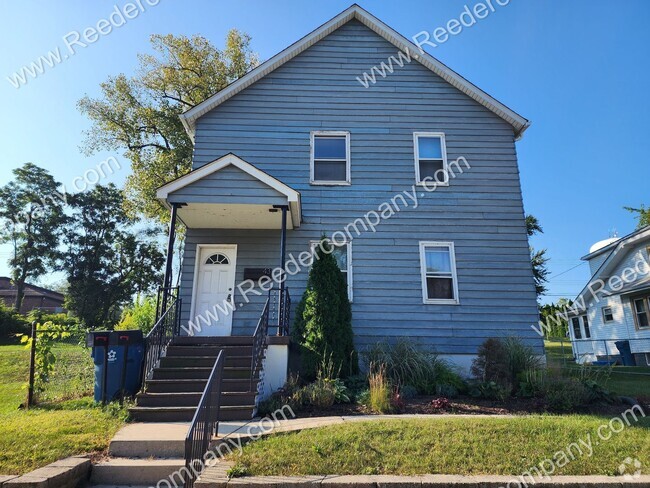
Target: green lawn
(499,446)
(624,380)
(34,438)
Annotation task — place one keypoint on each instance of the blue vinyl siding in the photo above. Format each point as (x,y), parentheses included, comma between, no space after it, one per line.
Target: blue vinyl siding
(268,124)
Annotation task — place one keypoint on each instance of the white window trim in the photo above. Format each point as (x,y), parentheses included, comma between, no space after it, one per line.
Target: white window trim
(348,245)
(312,136)
(611,312)
(423,273)
(416,153)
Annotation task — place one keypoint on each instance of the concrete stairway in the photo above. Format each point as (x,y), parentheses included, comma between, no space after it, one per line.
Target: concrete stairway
(174,391)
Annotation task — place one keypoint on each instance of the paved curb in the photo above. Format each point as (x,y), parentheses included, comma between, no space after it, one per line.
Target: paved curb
(65,473)
(216,478)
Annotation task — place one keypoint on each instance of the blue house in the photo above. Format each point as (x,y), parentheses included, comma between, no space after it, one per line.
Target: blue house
(413,179)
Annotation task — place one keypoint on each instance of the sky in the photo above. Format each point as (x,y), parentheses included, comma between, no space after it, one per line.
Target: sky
(578,70)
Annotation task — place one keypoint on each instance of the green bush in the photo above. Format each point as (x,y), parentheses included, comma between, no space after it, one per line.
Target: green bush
(139,315)
(323,323)
(565,394)
(12,323)
(406,364)
(503,361)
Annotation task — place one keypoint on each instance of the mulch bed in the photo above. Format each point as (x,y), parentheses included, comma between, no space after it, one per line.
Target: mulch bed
(464,405)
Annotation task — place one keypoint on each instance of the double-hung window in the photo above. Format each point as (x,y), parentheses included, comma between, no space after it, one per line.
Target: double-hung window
(330,158)
(641,309)
(608,314)
(438,269)
(430,158)
(578,331)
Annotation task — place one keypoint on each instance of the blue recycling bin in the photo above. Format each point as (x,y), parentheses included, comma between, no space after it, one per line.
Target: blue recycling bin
(118,358)
(627,358)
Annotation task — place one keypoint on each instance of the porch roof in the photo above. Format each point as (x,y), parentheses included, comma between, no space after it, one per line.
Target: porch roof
(231,193)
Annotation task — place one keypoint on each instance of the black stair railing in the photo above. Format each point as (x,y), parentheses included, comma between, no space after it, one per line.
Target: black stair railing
(259,341)
(205,424)
(166,327)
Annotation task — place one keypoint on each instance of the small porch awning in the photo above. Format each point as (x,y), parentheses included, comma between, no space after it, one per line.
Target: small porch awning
(230,193)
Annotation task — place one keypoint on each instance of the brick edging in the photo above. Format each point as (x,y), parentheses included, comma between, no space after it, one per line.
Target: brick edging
(65,473)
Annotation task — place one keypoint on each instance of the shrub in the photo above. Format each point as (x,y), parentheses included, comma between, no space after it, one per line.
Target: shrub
(565,394)
(379,399)
(323,324)
(139,315)
(12,323)
(406,364)
(503,361)
(490,390)
(408,392)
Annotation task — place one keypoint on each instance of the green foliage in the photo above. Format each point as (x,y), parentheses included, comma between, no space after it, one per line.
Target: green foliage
(107,261)
(503,361)
(11,323)
(538,259)
(139,315)
(323,323)
(565,394)
(556,325)
(237,471)
(31,214)
(642,215)
(140,114)
(490,390)
(44,360)
(406,364)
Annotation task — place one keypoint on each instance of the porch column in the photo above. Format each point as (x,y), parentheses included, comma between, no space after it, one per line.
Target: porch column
(167,281)
(283,248)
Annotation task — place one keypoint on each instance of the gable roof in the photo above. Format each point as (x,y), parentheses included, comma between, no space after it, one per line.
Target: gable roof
(230,159)
(7,288)
(617,251)
(189,118)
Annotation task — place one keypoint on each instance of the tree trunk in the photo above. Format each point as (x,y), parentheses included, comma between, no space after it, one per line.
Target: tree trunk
(20,295)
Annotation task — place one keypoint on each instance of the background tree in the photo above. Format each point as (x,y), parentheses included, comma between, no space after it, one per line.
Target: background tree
(31,215)
(551,315)
(139,114)
(642,215)
(106,261)
(538,258)
(323,324)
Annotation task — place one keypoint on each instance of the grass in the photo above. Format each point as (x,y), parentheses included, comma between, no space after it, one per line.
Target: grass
(33,438)
(624,380)
(466,446)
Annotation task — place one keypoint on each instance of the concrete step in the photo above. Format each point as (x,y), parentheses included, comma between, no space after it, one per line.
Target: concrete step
(191,399)
(127,471)
(208,350)
(197,385)
(185,414)
(152,440)
(203,361)
(220,341)
(229,372)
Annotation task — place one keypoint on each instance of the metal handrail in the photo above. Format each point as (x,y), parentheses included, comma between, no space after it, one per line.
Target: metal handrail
(259,341)
(160,336)
(205,424)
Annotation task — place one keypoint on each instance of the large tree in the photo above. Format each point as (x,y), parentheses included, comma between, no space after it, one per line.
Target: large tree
(139,114)
(538,258)
(31,216)
(107,260)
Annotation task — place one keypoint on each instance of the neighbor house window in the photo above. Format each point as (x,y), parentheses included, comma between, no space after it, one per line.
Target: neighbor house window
(585,326)
(343,255)
(430,158)
(608,315)
(577,332)
(438,269)
(641,313)
(330,158)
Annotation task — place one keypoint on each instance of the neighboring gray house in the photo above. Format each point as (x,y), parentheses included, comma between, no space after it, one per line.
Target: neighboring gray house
(614,306)
(301,137)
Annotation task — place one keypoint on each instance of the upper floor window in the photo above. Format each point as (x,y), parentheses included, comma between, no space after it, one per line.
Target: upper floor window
(438,269)
(641,306)
(430,157)
(330,158)
(608,315)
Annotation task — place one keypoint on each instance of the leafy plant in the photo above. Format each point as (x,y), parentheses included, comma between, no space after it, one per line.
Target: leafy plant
(237,471)
(11,323)
(565,394)
(490,390)
(408,392)
(140,315)
(441,403)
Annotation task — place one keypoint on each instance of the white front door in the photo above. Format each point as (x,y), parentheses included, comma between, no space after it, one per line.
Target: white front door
(213,302)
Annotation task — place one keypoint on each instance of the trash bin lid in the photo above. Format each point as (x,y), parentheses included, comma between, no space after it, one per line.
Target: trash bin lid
(97,338)
(123,337)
